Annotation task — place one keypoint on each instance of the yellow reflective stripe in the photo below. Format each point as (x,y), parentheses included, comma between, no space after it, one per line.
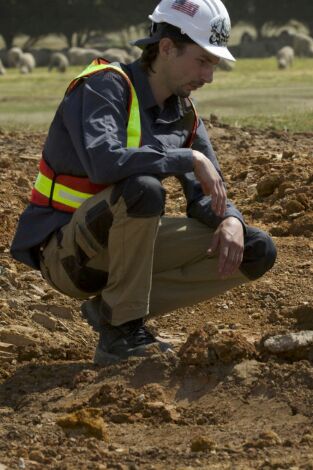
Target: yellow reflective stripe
(43,184)
(61,193)
(133,126)
(69,196)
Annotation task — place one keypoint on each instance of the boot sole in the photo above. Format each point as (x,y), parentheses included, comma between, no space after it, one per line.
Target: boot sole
(104,358)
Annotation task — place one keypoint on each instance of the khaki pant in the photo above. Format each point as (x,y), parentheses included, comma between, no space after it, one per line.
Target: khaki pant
(139,265)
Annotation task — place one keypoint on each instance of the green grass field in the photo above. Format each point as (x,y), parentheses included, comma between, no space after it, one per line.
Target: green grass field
(255,94)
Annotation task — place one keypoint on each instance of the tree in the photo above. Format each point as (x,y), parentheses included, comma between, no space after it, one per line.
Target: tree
(279,12)
(10,20)
(36,18)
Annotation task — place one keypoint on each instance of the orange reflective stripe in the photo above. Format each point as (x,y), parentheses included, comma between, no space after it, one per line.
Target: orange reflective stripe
(64,192)
(192,135)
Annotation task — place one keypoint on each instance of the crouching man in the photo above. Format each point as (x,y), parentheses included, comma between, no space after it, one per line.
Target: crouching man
(96,227)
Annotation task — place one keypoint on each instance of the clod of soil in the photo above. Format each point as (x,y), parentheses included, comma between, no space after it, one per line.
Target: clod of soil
(87,421)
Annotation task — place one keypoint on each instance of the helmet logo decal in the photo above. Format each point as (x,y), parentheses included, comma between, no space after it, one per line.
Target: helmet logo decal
(185,6)
(220,30)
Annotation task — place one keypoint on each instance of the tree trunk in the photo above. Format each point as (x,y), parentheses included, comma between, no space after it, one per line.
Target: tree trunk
(8,39)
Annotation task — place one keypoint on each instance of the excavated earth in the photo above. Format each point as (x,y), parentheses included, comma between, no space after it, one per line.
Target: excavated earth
(230,396)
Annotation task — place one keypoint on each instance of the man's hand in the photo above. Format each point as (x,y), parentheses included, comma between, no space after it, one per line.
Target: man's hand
(229,239)
(211,182)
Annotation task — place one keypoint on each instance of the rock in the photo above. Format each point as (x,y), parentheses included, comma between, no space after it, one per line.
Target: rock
(120,418)
(57,310)
(307,439)
(45,321)
(302,225)
(202,444)
(293,206)
(61,312)
(31,464)
(279,231)
(37,289)
(293,345)
(6,411)
(6,355)
(166,412)
(21,463)
(5,162)
(288,154)
(37,456)
(285,185)
(265,439)
(86,421)
(304,316)
(6,347)
(211,346)
(3,467)
(251,189)
(267,185)
(19,336)
(247,371)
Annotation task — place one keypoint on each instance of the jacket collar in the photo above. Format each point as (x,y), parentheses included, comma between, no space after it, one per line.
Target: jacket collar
(172,110)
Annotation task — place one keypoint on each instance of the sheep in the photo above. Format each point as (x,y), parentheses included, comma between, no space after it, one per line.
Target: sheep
(2,69)
(26,63)
(303,45)
(81,56)
(58,61)
(115,54)
(42,56)
(285,57)
(13,56)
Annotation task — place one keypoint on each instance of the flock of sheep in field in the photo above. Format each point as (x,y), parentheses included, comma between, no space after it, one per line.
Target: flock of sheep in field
(285,47)
(60,60)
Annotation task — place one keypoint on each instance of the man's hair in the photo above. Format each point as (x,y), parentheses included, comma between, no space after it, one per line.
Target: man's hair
(151,51)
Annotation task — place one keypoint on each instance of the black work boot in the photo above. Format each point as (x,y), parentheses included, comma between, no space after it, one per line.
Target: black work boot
(91,311)
(119,342)
(130,339)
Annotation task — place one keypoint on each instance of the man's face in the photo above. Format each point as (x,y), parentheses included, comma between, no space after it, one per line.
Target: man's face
(188,69)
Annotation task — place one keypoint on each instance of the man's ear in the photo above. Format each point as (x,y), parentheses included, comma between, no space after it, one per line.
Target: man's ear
(166,47)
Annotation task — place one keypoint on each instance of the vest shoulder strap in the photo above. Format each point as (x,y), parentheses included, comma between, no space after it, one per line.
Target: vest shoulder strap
(188,106)
(134,125)
(97,65)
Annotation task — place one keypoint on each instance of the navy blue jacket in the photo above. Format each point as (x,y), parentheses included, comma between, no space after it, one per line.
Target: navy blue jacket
(88,135)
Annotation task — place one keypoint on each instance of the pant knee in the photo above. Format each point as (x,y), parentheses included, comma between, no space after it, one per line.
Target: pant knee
(259,253)
(144,196)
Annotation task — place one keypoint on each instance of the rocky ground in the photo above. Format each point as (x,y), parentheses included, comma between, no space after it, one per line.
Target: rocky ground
(237,393)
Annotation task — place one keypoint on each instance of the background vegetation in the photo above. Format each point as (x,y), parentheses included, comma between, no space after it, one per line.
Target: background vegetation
(255,93)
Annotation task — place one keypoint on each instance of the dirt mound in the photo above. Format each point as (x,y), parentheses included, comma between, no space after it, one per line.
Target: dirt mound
(209,346)
(222,399)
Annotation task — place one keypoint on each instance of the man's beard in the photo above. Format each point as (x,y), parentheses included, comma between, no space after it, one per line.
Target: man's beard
(183,93)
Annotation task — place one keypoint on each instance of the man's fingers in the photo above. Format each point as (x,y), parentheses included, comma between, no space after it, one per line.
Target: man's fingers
(222,263)
(231,263)
(214,244)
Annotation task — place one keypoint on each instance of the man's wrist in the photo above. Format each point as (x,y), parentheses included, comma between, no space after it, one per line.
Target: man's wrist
(232,220)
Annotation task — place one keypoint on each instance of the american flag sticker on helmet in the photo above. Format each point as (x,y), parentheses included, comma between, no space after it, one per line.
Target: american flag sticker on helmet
(185,6)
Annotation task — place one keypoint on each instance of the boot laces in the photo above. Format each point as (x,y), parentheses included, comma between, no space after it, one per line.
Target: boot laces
(142,335)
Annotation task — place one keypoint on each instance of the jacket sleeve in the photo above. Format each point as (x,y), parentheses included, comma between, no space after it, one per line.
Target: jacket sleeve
(95,116)
(198,204)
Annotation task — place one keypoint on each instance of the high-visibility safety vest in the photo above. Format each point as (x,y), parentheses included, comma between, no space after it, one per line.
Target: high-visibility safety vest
(67,192)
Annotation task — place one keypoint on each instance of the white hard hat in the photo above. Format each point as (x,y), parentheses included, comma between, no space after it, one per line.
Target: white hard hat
(206,22)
